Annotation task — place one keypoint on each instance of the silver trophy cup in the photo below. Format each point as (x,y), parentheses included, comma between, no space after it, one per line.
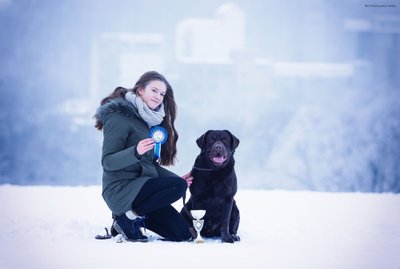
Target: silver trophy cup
(198,223)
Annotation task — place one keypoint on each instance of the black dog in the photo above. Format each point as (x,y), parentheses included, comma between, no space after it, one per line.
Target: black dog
(214,186)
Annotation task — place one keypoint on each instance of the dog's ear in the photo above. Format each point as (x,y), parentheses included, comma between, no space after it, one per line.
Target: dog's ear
(202,140)
(234,140)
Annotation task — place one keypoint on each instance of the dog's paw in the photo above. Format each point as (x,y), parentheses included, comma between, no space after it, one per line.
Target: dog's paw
(236,237)
(227,239)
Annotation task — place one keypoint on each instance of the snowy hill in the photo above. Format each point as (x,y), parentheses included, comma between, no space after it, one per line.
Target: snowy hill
(54,227)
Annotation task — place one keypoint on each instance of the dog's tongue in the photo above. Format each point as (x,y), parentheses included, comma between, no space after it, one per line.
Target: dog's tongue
(219,159)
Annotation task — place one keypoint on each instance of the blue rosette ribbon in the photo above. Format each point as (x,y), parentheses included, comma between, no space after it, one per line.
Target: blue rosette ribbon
(160,135)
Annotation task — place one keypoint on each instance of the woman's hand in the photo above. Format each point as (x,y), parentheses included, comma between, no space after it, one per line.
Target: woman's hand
(144,146)
(189,178)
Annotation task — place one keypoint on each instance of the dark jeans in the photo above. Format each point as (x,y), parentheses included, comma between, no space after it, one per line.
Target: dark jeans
(154,201)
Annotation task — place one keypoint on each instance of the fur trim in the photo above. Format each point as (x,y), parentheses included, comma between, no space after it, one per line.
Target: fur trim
(119,105)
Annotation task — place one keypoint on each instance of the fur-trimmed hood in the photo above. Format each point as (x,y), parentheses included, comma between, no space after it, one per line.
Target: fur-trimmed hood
(119,105)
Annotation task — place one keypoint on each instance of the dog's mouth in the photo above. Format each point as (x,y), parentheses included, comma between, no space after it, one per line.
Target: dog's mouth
(219,159)
(218,154)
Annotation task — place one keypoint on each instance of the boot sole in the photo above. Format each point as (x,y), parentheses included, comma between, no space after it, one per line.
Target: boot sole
(119,230)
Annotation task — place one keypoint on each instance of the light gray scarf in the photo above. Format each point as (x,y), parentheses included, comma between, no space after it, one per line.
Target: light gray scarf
(152,117)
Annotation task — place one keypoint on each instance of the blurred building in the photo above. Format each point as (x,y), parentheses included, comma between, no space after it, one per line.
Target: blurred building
(119,59)
(211,40)
(377,44)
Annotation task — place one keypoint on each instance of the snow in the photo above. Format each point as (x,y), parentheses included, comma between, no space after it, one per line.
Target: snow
(54,227)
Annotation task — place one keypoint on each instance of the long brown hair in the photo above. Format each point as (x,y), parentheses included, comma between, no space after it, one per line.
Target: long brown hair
(168,152)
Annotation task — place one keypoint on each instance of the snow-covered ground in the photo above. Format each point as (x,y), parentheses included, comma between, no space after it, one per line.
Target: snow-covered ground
(54,227)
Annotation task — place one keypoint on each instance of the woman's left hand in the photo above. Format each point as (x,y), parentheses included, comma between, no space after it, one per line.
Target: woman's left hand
(188,178)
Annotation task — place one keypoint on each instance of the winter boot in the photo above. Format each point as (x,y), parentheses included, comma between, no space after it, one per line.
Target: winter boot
(130,229)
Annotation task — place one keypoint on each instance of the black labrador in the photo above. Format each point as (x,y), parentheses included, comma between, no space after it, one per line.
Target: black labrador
(214,186)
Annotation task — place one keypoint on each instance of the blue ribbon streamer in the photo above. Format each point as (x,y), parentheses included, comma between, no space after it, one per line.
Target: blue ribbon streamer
(160,135)
(157,150)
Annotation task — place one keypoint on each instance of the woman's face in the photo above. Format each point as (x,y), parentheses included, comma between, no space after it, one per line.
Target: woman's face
(153,94)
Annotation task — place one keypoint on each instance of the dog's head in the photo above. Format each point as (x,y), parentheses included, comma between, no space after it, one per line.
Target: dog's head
(217,146)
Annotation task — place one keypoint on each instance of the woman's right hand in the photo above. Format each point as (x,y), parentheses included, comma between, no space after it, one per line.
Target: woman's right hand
(188,178)
(145,145)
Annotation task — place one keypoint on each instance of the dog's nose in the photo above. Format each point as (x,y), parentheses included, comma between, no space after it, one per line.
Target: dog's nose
(218,146)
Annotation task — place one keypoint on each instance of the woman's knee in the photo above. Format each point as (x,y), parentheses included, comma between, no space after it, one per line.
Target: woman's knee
(181,185)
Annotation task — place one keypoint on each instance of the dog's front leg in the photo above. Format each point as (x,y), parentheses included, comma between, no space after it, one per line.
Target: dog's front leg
(226,216)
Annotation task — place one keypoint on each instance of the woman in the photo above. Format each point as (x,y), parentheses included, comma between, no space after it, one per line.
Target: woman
(136,188)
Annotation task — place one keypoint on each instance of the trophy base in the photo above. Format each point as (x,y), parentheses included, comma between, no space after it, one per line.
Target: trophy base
(199,241)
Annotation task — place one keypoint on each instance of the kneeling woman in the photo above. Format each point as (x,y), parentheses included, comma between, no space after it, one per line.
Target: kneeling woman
(136,188)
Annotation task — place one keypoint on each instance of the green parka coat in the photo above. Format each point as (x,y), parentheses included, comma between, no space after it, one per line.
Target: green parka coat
(124,172)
